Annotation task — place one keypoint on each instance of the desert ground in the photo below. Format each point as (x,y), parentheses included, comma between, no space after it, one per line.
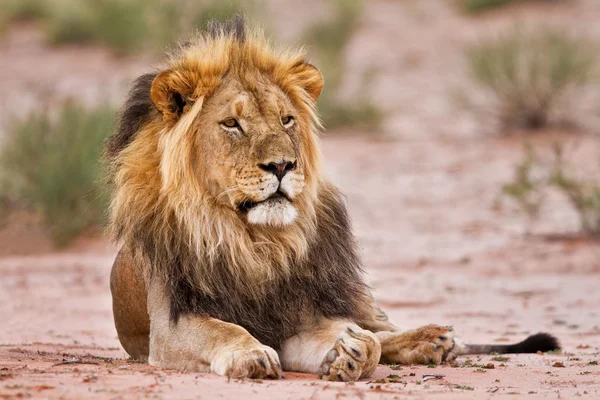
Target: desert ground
(439,242)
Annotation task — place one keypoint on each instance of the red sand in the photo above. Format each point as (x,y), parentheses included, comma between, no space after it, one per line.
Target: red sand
(439,244)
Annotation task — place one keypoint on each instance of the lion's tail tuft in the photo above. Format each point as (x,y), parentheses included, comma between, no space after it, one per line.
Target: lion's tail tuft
(532,344)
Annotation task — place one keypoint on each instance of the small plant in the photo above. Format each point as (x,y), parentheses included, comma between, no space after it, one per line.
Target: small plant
(464,387)
(477,6)
(528,75)
(23,10)
(395,367)
(50,162)
(120,25)
(584,197)
(528,192)
(526,189)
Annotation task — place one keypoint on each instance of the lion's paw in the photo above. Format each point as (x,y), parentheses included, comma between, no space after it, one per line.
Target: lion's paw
(430,344)
(354,355)
(255,363)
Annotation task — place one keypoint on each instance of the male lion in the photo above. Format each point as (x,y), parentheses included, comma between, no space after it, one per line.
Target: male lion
(237,255)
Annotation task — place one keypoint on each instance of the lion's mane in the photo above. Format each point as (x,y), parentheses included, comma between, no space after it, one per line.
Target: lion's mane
(267,280)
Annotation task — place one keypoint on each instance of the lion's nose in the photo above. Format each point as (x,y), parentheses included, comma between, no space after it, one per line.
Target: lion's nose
(279,168)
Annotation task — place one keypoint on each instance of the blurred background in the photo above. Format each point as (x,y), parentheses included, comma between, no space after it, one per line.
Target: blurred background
(465,134)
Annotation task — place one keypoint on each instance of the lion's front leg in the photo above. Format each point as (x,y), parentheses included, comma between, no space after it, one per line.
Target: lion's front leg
(203,344)
(335,350)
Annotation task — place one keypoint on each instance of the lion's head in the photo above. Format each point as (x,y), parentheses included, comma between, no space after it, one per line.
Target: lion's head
(246,116)
(220,148)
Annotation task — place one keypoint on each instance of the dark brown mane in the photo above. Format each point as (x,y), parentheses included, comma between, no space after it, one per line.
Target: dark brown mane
(137,111)
(327,283)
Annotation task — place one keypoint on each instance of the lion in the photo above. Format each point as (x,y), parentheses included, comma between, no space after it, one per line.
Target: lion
(237,256)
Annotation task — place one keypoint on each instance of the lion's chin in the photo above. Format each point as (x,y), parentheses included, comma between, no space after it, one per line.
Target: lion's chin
(275,212)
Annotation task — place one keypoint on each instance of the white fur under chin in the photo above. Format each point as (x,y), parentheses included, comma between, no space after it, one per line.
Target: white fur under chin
(274,213)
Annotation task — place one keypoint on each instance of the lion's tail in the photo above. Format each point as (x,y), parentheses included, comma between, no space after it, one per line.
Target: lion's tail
(532,344)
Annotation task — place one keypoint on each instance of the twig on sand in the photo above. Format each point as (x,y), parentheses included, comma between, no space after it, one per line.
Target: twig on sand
(75,361)
(433,376)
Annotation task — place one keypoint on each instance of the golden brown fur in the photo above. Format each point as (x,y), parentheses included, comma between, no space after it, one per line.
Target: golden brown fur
(154,180)
(179,187)
(235,250)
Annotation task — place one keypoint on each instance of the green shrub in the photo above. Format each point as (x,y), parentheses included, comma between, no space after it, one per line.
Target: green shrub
(583,195)
(328,40)
(529,73)
(477,6)
(20,10)
(526,189)
(534,177)
(51,163)
(120,25)
(125,26)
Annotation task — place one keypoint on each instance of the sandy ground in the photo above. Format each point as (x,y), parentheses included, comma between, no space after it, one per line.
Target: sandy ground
(439,243)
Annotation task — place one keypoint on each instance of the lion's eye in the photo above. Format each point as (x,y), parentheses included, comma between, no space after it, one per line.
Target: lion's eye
(231,123)
(287,121)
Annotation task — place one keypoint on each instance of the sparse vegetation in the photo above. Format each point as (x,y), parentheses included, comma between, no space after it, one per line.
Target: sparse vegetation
(477,6)
(464,387)
(327,40)
(529,74)
(583,196)
(395,367)
(529,191)
(123,25)
(50,163)
(526,187)
(22,10)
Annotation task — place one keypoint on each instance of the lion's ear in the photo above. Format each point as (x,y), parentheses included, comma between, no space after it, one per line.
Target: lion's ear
(310,79)
(171,94)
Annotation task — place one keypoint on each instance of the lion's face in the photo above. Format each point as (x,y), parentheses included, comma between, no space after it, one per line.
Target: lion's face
(225,134)
(249,145)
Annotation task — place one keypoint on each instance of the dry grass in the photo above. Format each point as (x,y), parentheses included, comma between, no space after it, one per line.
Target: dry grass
(527,76)
(477,6)
(526,189)
(583,195)
(50,163)
(534,177)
